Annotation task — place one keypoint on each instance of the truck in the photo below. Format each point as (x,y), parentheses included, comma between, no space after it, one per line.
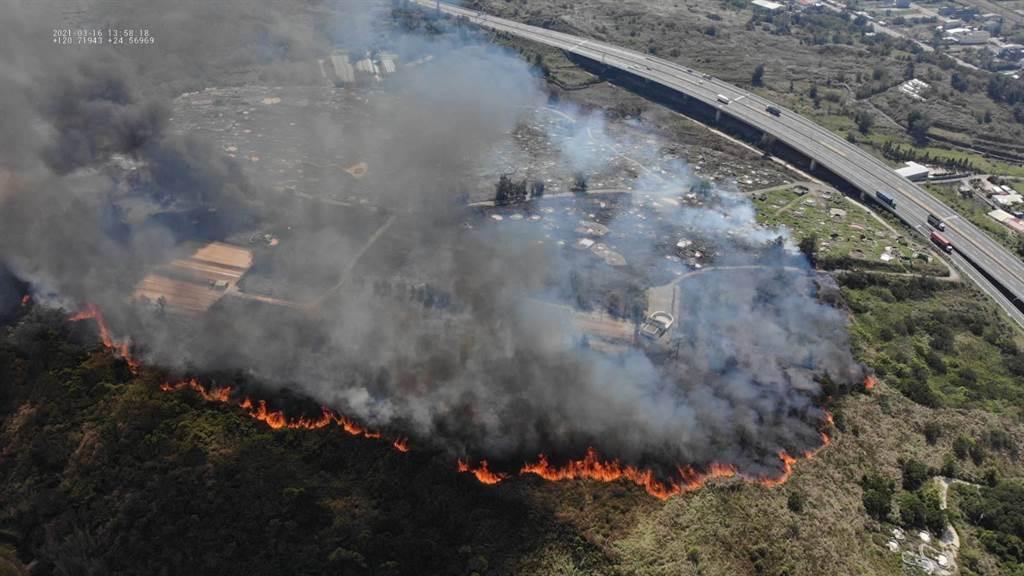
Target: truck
(885,199)
(773,111)
(942,242)
(723,99)
(936,223)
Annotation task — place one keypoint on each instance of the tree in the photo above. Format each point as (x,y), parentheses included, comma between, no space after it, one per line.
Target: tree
(864,121)
(809,247)
(579,184)
(962,446)
(503,191)
(918,124)
(877,497)
(537,189)
(932,432)
(912,510)
(959,82)
(795,502)
(757,78)
(914,474)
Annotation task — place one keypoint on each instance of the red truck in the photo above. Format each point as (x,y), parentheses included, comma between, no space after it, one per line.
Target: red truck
(942,242)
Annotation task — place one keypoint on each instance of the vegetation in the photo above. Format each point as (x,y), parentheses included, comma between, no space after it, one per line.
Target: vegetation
(936,342)
(878,491)
(104,473)
(998,513)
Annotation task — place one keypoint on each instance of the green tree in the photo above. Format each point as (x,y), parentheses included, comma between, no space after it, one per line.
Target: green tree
(757,78)
(918,124)
(877,495)
(809,248)
(914,474)
(864,121)
(795,502)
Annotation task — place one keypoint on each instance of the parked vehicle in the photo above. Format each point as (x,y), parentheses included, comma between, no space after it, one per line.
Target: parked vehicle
(942,242)
(936,222)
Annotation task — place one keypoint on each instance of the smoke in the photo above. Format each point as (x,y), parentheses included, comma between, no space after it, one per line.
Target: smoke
(446,326)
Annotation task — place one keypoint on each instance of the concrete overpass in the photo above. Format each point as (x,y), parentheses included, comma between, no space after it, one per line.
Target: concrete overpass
(994,268)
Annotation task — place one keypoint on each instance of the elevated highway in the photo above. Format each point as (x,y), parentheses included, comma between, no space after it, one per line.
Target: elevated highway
(995,269)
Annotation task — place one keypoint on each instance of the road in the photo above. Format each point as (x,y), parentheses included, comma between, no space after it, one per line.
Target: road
(848,161)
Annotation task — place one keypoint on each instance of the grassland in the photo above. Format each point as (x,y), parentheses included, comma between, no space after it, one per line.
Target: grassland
(852,237)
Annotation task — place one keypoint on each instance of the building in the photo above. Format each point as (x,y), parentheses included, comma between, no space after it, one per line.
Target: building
(766,6)
(1006,200)
(657,325)
(388,63)
(914,172)
(365,68)
(191,285)
(967,36)
(342,68)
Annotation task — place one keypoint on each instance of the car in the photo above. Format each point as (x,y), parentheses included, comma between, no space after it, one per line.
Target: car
(773,111)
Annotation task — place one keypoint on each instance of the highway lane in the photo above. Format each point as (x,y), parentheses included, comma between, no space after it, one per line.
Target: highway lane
(849,162)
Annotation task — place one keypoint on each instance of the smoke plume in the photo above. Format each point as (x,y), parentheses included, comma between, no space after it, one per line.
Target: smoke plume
(482,356)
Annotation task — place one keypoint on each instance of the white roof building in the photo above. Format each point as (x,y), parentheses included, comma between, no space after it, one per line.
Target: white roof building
(766,5)
(1008,199)
(913,171)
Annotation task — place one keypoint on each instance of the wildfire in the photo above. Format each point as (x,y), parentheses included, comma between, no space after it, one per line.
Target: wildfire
(482,473)
(26,299)
(869,383)
(121,348)
(590,467)
(787,471)
(213,395)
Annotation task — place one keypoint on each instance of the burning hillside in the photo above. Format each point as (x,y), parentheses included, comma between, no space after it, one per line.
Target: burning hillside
(470,347)
(590,467)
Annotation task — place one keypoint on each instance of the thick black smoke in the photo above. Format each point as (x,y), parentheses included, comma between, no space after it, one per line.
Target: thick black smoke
(495,373)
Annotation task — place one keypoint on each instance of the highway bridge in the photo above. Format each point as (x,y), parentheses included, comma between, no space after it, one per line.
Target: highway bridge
(994,268)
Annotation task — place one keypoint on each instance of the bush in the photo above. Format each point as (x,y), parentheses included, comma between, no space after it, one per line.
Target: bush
(962,446)
(795,502)
(877,497)
(915,474)
(932,432)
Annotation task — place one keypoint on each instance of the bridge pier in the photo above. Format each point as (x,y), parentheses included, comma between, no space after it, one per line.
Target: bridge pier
(718,116)
(814,164)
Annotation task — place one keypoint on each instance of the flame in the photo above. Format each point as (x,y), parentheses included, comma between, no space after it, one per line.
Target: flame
(213,395)
(482,473)
(869,383)
(787,471)
(121,348)
(26,299)
(590,467)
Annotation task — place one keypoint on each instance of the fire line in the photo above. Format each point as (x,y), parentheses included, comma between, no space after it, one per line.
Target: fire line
(590,467)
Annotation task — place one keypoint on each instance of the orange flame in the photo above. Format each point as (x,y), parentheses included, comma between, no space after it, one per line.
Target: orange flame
(212,395)
(482,473)
(787,472)
(592,467)
(26,299)
(869,383)
(121,348)
(589,467)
